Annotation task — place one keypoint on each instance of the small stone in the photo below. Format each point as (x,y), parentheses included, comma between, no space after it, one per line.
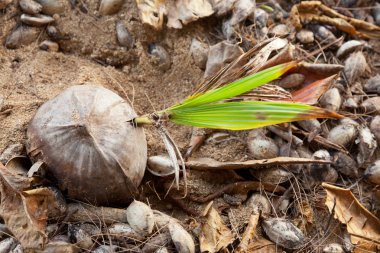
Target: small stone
(373,84)
(280,30)
(37,20)
(30,6)
(124,37)
(199,52)
(305,36)
(49,46)
(291,81)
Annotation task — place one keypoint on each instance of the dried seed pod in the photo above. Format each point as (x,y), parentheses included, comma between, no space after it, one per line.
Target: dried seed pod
(373,84)
(371,104)
(343,134)
(55,34)
(109,7)
(291,81)
(105,249)
(367,146)
(11,151)
(162,220)
(345,165)
(97,156)
(122,230)
(280,30)
(317,173)
(160,165)
(8,244)
(140,217)
(259,204)
(260,146)
(283,233)
(160,56)
(5,3)
(333,248)
(30,6)
(156,242)
(355,66)
(124,37)
(348,47)
(321,68)
(304,152)
(375,128)
(79,237)
(331,100)
(372,173)
(305,36)
(55,246)
(49,46)
(37,20)
(51,7)
(182,240)
(21,36)
(199,52)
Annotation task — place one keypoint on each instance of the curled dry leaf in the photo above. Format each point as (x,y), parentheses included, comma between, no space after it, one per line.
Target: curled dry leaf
(178,13)
(315,11)
(215,235)
(28,228)
(249,233)
(362,225)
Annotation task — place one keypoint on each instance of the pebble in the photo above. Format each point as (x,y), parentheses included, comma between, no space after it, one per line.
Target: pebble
(348,47)
(372,173)
(331,100)
(37,20)
(373,85)
(109,7)
(21,36)
(124,37)
(199,52)
(375,128)
(283,233)
(305,36)
(280,30)
(140,217)
(371,105)
(355,66)
(291,81)
(49,46)
(51,7)
(30,6)
(160,56)
(343,134)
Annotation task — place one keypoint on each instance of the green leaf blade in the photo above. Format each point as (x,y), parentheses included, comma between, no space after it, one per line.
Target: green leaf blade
(246,114)
(237,87)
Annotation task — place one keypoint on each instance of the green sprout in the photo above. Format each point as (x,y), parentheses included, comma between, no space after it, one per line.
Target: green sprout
(211,108)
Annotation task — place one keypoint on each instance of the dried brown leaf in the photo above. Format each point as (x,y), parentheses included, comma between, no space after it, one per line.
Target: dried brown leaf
(215,235)
(249,233)
(362,225)
(15,211)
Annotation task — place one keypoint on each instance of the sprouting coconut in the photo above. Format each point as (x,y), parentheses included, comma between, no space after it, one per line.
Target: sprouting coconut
(91,151)
(95,148)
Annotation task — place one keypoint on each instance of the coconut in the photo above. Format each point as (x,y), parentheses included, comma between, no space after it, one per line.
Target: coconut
(92,152)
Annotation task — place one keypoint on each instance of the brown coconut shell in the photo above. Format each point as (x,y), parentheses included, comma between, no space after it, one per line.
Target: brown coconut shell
(92,152)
